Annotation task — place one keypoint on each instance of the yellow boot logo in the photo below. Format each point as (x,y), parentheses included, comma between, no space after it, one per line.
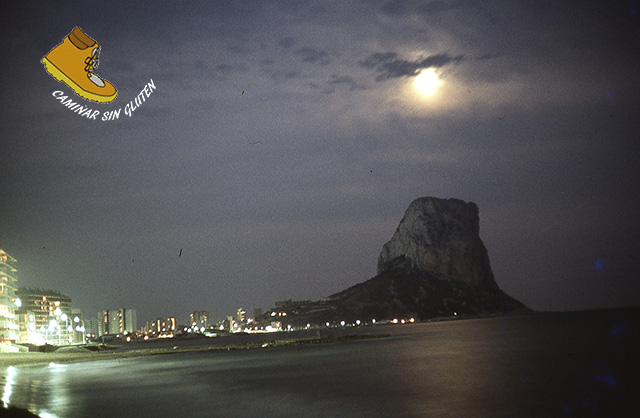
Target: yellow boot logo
(74,62)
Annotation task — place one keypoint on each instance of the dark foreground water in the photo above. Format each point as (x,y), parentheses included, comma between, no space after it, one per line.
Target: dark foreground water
(544,365)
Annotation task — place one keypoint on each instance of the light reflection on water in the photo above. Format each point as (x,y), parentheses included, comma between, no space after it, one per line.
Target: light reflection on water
(9,376)
(29,392)
(526,367)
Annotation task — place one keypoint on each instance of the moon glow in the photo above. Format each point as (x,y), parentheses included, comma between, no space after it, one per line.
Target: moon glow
(427,81)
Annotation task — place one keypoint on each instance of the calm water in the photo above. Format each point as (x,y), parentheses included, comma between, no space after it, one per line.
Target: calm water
(545,365)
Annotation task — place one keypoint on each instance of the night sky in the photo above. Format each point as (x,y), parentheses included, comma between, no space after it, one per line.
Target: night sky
(285,139)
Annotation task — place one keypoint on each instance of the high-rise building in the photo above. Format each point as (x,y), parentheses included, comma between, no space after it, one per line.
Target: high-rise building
(199,320)
(118,322)
(92,327)
(257,312)
(230,324)
(241,316)
(103,323)
(27,325)
(130,320)
(161,326)
(8,286)
(79,329)
(52,312)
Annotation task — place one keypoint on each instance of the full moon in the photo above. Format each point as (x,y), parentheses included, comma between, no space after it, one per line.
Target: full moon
(427,81)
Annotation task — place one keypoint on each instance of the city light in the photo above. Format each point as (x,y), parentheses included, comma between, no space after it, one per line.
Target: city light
(80,328)
(56,310)
(65,318)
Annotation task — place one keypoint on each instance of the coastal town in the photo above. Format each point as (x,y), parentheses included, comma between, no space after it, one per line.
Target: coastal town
(38,317)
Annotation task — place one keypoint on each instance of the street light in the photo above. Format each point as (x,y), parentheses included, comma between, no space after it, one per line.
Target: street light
(80,328)
(53,324)
(63,317)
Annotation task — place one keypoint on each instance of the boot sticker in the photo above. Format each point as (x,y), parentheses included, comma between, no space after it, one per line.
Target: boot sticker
(74,62)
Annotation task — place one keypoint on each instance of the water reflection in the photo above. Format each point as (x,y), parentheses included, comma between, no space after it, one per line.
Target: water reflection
(57,392)
(536,366)
(8,386)
(30,388)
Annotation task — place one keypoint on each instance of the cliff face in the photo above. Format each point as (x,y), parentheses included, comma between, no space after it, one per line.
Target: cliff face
(440,237)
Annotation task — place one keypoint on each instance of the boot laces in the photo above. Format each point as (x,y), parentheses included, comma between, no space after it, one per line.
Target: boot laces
(92,62)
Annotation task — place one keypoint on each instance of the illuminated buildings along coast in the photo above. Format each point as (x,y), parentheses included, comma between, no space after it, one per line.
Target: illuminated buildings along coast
(37,316)
(161,327)
(29,315)
(118,322)
(199,321)
(8,286)
(52,316)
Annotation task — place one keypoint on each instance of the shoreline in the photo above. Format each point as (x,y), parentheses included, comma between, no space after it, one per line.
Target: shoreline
(38,359)
(43,358)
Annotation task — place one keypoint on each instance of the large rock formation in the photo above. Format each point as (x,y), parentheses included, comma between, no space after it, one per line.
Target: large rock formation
(435,265)
(441,237)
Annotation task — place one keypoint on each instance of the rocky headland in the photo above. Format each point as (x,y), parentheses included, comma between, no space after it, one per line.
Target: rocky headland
(434,266)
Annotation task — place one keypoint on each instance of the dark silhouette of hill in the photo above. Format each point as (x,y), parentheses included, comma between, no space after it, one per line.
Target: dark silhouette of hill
(435,265)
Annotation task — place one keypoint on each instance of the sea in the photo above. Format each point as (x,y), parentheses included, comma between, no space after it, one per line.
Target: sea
(572,364)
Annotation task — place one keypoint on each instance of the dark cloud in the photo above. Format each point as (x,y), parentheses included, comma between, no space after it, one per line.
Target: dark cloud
(290,74)
(378,58)
(287,42)
(314,56)
(346,81)
(282,76)
(387,66)
(396,8)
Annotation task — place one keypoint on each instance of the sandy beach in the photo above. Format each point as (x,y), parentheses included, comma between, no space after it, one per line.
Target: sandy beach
(34,358)
(76,354)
